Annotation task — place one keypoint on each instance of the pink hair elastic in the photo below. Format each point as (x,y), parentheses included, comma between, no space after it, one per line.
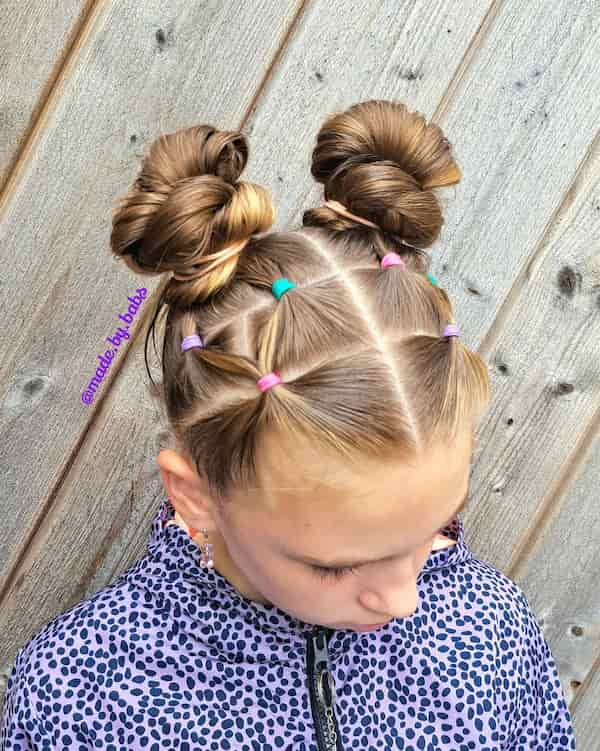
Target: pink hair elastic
(391,259)
(268,381)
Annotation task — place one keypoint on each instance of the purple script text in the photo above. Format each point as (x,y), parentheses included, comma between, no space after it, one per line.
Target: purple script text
(121,333)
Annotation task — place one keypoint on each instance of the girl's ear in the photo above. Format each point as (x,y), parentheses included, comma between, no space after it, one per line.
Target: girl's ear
(184,489)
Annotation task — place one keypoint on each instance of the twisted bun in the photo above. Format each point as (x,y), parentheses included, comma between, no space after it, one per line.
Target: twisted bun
(381,162)
(187,207)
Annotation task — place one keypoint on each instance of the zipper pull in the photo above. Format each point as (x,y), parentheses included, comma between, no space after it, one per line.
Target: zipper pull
(325,686)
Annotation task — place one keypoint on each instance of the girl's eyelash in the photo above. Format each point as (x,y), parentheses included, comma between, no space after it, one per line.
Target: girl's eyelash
(338,573)
(335,573)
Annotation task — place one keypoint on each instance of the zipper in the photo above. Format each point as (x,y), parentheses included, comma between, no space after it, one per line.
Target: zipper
(322,690)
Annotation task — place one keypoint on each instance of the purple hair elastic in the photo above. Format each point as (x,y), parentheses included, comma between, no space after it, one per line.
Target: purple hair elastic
(191,341)
(451,330)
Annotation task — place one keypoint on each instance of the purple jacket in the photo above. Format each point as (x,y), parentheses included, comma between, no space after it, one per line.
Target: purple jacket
(171,656)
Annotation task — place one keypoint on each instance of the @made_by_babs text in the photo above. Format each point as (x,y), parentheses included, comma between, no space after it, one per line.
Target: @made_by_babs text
(87,397)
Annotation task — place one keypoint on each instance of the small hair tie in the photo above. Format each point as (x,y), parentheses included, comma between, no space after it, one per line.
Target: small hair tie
(340,209)
(268,381)
(281,286)
(191,341)
(451,330)
(391,259)
(195,272)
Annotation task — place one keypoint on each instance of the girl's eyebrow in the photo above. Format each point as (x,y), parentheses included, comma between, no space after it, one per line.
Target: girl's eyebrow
(357,564)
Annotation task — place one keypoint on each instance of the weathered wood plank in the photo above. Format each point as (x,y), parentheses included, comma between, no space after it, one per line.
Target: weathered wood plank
(35,39)
(585,714)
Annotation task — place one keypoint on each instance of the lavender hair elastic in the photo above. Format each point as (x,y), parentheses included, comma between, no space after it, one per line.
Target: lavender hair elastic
(451,330)
(191,341)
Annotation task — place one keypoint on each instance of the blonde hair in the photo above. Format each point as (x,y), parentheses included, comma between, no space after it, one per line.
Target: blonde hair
(365,369)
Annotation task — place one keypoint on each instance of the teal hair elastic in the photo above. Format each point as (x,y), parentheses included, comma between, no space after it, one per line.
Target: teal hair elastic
(432,279)
(281,286)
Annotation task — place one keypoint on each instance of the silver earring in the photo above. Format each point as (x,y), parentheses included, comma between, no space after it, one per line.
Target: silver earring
(206,558)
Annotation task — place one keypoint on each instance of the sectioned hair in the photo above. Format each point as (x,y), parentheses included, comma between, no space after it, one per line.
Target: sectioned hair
(365,369)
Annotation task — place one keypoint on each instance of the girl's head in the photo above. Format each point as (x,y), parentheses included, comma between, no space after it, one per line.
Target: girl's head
(363,452)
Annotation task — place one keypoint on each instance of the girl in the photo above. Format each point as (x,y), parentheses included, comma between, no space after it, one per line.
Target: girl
(307,584)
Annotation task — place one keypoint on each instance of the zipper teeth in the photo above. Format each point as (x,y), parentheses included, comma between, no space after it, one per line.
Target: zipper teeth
(330,725)
(327,731)
(316,709)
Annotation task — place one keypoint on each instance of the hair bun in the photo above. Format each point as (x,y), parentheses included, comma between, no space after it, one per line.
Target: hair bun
(381,162)
(186,205)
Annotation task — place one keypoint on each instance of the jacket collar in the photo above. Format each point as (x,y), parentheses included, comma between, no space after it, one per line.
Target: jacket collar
(201,601)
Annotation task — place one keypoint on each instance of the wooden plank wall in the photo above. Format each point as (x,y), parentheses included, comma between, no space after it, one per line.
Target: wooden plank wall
(516,88)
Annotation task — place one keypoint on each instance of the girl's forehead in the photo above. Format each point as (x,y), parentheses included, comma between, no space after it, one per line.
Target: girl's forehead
(369,508)
(375,529)
(305,474)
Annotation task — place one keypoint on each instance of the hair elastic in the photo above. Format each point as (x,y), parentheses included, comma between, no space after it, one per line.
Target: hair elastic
(281,286)
(269,380)
(340,209)
(451,330)
(194,340)
(194,272)
(391,259)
